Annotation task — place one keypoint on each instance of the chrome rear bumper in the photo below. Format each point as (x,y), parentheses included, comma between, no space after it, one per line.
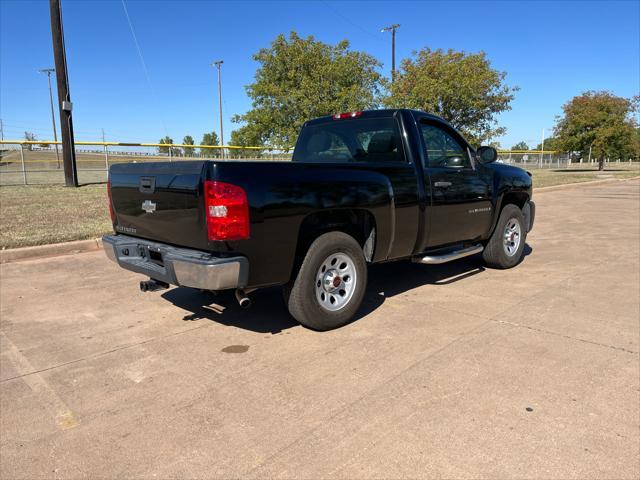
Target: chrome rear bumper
(177,266)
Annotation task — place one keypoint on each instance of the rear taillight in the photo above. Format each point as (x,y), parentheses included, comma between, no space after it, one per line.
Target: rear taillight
(227,211)
(342,116)
(111,212)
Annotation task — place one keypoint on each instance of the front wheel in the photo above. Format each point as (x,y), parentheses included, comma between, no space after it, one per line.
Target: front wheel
(506,245)
(330,283)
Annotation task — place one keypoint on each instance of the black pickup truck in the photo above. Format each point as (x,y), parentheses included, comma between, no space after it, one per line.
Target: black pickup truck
(362,187)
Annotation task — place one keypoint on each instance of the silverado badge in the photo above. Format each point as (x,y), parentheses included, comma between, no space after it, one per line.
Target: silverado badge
(148,206)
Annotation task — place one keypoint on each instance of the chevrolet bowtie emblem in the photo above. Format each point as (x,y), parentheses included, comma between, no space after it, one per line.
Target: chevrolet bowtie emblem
(148,206)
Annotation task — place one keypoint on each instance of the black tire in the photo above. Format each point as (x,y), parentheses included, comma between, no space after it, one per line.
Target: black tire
(496,252)
(302,294)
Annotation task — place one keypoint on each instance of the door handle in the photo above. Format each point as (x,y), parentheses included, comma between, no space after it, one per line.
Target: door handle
(442,184)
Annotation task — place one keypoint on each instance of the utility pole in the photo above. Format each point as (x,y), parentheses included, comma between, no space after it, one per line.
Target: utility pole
(392,29)
(49,71)
(64,97)
(218,63)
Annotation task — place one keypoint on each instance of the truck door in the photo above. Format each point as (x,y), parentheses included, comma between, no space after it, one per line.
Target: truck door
(460,207)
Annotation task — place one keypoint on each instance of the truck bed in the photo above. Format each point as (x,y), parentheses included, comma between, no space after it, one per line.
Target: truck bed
(281,196)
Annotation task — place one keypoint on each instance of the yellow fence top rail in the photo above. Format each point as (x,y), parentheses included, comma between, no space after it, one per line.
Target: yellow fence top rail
(533,152)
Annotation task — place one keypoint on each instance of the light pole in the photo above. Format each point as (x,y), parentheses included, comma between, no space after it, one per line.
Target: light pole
(49,71)
(218,63)
(392,29)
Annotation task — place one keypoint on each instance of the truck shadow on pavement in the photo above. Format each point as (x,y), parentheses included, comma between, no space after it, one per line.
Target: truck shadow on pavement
(269,313)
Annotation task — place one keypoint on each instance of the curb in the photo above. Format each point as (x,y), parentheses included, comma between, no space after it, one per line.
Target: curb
(51,250)
(577,184)
(80,246)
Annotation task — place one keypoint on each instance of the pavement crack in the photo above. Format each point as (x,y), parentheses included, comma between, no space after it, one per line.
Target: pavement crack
(310,431)
(101,354)
(542,330)
(46,394)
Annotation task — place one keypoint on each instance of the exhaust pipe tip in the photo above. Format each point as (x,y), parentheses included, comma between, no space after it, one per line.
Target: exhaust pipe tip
(243,300)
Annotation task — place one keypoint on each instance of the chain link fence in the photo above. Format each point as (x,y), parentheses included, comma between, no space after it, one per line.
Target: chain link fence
(39,163)
(33,163)
(552,160)
(534,159)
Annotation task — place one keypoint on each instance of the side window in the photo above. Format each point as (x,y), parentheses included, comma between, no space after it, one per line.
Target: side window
(350,140)
(443,150)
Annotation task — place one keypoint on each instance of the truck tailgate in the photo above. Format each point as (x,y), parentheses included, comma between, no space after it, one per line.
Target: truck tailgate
(160,201)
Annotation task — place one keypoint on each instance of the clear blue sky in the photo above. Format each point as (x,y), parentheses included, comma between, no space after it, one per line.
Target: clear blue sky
(551,50)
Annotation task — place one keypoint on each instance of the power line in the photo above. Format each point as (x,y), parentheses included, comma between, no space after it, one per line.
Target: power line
(144,65)
(351,22)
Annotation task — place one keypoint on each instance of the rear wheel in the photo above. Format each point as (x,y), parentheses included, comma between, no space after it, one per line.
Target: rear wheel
(330,283)
(505,247)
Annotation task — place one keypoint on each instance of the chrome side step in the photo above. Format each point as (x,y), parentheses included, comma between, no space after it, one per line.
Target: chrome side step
(449,256)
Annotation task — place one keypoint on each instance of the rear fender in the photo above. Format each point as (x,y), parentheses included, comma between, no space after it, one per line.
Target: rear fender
(358,223)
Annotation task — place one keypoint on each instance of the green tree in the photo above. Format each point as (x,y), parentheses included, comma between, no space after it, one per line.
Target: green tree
(520,146)
(188,140)
(210,139)
(460,87)
(599,121)
(302,78)
(167,140)
(550,143)
(241,138)
(30,137)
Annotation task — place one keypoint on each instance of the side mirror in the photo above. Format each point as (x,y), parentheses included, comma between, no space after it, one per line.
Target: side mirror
(487,155)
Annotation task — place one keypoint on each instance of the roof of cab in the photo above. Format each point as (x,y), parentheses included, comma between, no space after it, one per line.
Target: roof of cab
(380,113)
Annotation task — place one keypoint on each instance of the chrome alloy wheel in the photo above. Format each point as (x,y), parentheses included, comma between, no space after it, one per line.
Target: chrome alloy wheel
(512,237)
(335,281)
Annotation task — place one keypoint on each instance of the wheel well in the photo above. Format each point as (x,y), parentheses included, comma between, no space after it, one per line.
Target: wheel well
(359,224)
(515,198)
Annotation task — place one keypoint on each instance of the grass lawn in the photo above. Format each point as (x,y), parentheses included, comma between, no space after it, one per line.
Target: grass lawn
(546,177)
(41,214)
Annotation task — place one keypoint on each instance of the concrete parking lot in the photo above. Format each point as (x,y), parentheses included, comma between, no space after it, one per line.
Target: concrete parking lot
(452,371)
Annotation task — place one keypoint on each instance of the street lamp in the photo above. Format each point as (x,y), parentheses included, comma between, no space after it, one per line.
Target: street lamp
(392,29)
(49,71)
(218,63)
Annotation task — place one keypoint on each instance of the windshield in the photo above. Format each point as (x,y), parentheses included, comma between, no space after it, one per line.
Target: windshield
(349,140)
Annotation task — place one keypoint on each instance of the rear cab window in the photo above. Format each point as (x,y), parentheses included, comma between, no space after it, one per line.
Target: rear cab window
(350,140)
